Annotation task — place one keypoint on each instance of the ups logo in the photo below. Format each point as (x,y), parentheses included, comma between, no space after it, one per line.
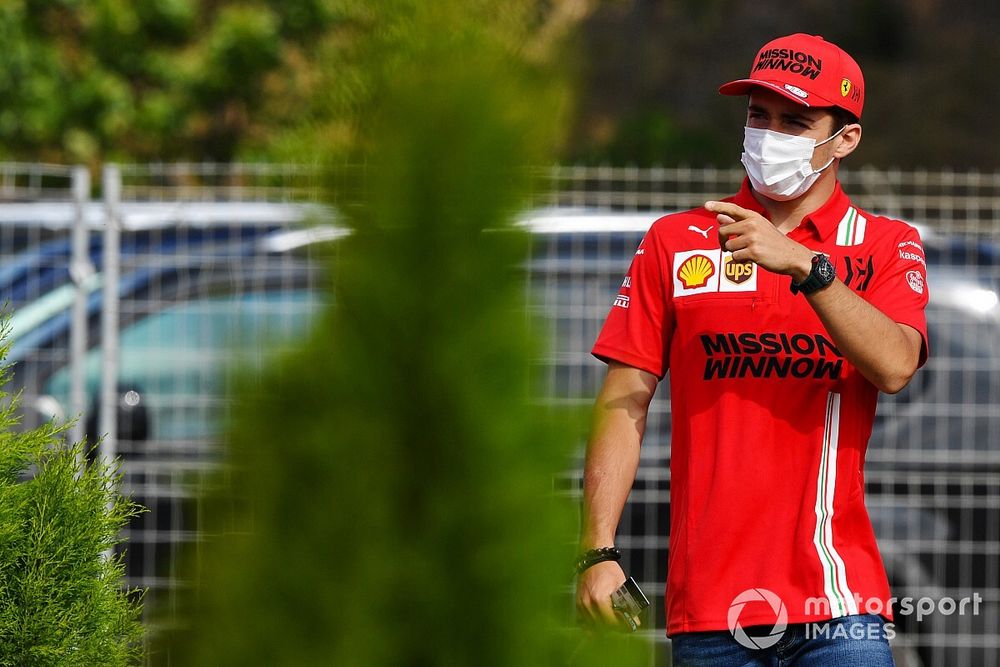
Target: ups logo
(737,272)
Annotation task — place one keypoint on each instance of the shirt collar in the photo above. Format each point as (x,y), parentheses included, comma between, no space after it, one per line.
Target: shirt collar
(823,221)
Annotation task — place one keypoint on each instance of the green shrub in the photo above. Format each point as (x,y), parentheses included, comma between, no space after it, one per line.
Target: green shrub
(397,472)
(61,602)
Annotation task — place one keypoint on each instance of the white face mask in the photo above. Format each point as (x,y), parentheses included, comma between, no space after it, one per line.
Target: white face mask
(780,165)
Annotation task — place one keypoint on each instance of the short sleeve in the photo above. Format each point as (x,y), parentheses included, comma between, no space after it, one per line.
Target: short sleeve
(899,286)
(639,325)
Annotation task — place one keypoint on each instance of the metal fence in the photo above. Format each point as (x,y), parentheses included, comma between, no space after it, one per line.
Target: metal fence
(182,272)
(137,310)
(214,272)
(933,472)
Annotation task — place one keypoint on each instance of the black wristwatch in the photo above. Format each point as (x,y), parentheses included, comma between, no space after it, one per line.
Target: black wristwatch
(821,275)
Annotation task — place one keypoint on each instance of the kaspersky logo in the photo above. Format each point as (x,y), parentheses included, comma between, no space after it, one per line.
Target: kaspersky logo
(760,600)
(695,271)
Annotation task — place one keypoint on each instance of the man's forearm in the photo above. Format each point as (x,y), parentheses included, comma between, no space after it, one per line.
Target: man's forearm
(885,352)
(612,460)
(609,472)
(878,347)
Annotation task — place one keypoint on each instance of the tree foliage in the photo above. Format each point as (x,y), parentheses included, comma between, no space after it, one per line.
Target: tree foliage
(85,80)
(398,470)
(90,80)
(152,79)
(61,602)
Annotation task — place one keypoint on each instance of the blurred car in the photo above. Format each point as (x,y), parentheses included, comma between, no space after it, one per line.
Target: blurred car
(205,291)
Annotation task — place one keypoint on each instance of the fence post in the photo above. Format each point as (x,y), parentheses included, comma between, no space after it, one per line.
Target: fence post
(108,423)
(81,273)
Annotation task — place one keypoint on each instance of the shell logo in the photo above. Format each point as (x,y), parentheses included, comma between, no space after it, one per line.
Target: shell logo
(695,271)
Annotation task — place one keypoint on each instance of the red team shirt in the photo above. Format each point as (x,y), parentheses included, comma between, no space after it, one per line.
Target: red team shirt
(770,421)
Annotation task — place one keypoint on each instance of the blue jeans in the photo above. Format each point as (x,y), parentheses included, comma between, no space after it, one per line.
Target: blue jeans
(857,641)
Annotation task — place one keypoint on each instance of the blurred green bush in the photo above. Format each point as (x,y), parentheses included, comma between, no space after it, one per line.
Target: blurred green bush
(62,604)
(392,496)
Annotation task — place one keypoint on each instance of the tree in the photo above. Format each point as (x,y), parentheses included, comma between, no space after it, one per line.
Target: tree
(394,475)
(152,79)
(201,79)
(61,601)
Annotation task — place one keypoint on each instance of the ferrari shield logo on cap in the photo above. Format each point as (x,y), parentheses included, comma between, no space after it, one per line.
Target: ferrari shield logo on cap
(845,87)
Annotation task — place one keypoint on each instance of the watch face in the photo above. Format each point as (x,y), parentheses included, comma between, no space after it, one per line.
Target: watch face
(825,270)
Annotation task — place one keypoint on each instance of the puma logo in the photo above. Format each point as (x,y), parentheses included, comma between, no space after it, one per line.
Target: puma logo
(703,232)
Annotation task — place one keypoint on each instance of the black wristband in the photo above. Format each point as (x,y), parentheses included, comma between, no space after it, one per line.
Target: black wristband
(595,556)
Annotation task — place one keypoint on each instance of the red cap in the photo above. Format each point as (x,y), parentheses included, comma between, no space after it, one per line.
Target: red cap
(808,70)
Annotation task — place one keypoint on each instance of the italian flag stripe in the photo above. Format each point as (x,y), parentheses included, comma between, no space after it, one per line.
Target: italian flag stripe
(851,230)
(859,229)
(845,227)
(835,585)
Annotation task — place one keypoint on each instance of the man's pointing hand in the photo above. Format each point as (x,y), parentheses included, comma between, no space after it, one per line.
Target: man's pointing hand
(749,236)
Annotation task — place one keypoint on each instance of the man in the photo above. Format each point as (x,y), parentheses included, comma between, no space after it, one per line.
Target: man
(780,312)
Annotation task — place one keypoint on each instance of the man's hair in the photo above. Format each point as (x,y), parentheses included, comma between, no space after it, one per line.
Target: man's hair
(842,117)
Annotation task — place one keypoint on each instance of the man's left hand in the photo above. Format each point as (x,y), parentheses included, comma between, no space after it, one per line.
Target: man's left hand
(750,236)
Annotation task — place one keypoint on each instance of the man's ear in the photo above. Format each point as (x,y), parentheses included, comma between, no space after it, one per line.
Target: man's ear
(851,137)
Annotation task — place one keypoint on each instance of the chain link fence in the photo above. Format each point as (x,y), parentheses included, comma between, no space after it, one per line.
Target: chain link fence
(137,311)
(933,472)
(949,201)
(181,275)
